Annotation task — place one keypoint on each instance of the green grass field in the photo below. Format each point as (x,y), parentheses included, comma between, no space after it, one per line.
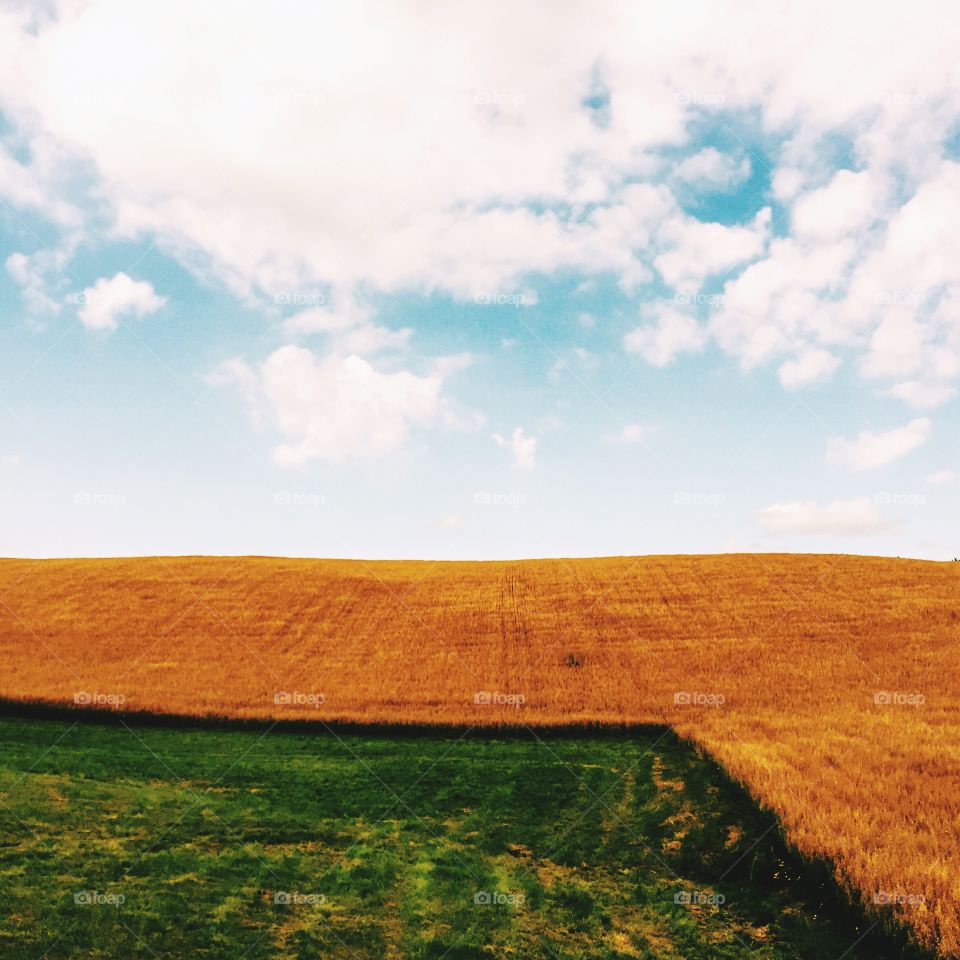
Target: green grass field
(119,842)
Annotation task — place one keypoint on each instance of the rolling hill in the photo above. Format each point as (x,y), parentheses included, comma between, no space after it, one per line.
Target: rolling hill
(825,684)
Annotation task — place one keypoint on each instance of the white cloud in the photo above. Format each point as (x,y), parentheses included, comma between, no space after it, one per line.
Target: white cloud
(871,450)
(906,290)
(30,274)
(319,150)
(940,478)
(810,364)
(337,408)
(451,522)
(668,333)
(304,158)
(781,304)
(787,182)
(522,448)
(697,250)
(711,169)
(850,202)
(34,185)
(860,272)
(328,319)
(631,433)
(373,338)
(841,518)
(922,394)
(107,301)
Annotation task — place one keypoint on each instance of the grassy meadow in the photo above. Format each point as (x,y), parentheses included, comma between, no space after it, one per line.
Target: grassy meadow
(824,684)
(141,842)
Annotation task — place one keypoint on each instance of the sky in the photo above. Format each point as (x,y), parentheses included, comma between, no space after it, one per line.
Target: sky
(479,281)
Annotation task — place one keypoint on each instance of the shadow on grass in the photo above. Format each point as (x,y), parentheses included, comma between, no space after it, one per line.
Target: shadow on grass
(769,861)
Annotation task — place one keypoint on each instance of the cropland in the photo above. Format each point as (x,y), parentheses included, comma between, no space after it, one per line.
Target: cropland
(825,686)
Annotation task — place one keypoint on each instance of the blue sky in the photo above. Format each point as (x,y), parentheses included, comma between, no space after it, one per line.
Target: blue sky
(310,284)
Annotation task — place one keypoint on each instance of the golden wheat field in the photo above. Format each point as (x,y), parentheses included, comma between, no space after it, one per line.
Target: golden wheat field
(827,684)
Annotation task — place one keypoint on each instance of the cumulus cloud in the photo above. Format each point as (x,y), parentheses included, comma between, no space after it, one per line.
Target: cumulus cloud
(871,450)
(712,170)
(107,301)
(281,178)
(810,364)
(667,333)
(281,175)
(922,394)
(305,158)
(523,449)
(856,517)
(860,271)
(696,250)
(333,408)
(780,305)
(849,203)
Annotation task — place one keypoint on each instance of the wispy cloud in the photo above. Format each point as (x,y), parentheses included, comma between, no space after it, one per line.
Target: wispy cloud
(869,450)
(523,448)
(857,517)
(631,433)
